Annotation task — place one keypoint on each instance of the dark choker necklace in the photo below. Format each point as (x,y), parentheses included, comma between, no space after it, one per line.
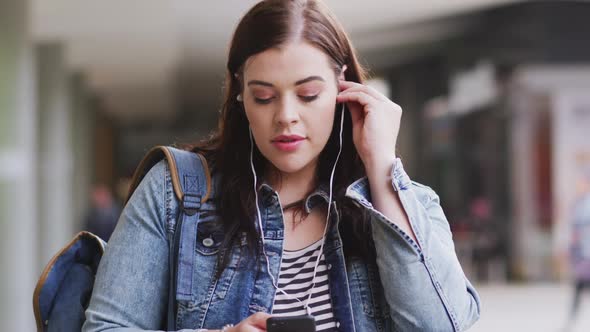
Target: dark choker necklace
(294,204)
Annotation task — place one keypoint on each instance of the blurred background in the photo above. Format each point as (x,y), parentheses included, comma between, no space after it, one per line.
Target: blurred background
(496,99)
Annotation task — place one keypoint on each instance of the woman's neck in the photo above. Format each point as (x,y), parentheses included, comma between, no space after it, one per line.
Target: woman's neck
(292,186)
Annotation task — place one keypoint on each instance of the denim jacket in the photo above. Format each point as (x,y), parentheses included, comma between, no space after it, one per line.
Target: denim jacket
(409,286)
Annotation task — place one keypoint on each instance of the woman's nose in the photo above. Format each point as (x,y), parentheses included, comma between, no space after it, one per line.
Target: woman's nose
(287,113)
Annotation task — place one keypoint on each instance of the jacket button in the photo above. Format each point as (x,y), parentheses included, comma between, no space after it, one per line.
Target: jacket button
(329,266)
(337,324)
(208,242)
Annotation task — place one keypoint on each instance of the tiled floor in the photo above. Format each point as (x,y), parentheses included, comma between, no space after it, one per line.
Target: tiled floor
(530,307)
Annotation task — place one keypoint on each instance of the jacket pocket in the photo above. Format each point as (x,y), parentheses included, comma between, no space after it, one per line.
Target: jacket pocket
(207,290)
(209,236)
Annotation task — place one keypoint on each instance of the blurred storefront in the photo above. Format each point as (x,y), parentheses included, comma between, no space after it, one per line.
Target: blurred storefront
(497,117)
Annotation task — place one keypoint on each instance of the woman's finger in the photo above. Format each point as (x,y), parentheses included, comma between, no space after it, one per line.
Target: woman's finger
(356,116)
(360,97)
(259,319)
(353,86)
(368,90)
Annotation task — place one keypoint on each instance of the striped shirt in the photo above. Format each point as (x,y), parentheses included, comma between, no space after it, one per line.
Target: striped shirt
(296,278)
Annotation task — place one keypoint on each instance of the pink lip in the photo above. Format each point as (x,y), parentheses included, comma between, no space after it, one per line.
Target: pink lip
(294,142)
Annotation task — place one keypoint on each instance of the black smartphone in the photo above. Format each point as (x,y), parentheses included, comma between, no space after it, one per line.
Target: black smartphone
(291,324)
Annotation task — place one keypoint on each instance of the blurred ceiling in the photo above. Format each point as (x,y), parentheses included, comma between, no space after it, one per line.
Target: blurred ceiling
(132,50)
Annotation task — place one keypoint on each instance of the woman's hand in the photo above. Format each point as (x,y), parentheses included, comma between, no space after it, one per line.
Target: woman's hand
(375,123)
(375,126)
(254,323)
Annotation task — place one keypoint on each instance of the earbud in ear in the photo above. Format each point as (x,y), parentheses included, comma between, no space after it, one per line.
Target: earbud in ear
(239,98)
(341,76)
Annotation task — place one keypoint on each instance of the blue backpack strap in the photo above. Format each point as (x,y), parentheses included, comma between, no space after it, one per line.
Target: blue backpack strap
(170,154)
(194,180)
(191,181)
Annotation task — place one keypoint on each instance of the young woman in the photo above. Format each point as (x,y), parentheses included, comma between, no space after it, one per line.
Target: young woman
(305,154)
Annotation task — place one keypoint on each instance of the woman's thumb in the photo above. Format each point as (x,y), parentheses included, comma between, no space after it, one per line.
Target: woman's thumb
(259,319)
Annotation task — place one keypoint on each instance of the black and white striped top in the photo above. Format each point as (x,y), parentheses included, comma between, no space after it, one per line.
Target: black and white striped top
(295,279)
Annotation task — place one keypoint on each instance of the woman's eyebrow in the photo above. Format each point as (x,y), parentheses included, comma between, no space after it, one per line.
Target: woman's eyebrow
(305,80)
(311,78)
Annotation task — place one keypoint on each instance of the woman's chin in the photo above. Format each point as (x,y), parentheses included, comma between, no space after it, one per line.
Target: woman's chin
(290,165)
(289,168)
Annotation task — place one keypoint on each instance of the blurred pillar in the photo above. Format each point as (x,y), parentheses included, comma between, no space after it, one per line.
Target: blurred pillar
(55,151)
(104,148)
(82,145)
(18,265)
(525,236)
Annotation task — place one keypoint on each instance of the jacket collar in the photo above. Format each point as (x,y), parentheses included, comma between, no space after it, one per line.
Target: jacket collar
(320,195)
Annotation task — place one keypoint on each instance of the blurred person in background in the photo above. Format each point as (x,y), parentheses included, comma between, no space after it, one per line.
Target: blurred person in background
(580,243)
(311,214)
(102,216)
(488,248)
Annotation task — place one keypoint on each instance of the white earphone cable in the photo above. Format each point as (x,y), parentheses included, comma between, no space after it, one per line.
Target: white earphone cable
(258,215)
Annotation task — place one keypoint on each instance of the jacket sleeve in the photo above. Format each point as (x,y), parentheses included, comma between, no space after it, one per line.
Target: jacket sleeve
(131,286)
(424,283)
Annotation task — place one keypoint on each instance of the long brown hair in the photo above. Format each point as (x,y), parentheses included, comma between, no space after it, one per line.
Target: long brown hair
(270,24)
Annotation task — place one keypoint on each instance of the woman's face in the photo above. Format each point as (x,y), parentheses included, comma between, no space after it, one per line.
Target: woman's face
(289,96)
